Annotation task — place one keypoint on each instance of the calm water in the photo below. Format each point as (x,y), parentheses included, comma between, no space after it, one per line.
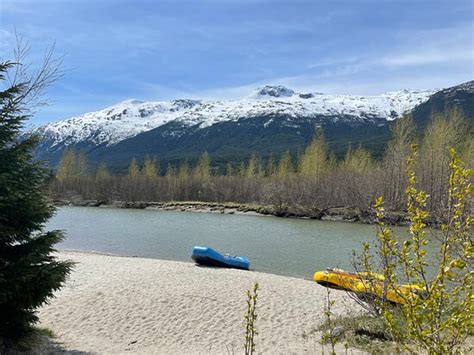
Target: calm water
(292,247)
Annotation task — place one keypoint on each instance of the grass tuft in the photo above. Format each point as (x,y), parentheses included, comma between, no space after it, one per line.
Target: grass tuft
(366,333)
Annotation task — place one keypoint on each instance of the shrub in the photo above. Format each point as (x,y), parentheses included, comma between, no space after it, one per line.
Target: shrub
(437,313)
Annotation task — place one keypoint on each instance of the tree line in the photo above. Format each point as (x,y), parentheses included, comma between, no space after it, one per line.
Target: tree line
(312,182)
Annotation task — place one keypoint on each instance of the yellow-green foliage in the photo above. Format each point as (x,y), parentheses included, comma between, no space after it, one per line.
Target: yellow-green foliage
(253,166)
(229,170)
(72,165)
(67,167)
(438,319)
(133,169)
(358,160)
(241,170)
(270,169)
(150,167)
(251,319)
(183,171)
(102,172)
(285,166)
(203,167)
(314,161)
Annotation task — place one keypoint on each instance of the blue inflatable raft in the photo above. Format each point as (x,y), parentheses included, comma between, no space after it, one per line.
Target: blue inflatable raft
(211,257)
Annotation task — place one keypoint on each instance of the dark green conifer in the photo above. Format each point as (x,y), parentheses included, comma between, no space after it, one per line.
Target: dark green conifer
(29,273)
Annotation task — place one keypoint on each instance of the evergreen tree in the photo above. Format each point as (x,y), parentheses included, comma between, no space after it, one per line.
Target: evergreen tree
(29,274)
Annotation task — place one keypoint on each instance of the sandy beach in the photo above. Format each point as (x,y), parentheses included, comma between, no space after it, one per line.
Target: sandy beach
(114,305)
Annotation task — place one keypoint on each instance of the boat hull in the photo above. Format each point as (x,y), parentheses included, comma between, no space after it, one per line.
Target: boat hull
(210,257)
(363,283)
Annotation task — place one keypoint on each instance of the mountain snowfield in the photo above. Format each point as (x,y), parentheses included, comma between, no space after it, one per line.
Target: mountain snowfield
(132,117)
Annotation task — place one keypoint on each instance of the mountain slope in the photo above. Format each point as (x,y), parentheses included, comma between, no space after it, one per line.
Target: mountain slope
(236,140)
(459,97)
(271,119)
(129,118)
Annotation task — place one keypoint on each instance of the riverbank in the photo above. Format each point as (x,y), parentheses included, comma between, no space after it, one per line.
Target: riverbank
(113,305)
(337,214)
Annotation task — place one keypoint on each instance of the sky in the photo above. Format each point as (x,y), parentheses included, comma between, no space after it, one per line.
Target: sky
(113,50)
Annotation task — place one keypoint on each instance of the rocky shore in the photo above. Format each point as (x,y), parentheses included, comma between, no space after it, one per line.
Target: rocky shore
(342,214)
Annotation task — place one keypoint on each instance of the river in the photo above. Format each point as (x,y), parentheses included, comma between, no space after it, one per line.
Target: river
(284,246)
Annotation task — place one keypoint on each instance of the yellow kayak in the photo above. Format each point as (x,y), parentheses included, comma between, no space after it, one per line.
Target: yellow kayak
(365,283)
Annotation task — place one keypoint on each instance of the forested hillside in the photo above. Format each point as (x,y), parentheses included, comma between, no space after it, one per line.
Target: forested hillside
(308,186)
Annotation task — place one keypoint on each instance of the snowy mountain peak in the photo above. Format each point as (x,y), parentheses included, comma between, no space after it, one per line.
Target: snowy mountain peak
(131,117)
(274,91)
(129,102)
(467,87)
(184,103)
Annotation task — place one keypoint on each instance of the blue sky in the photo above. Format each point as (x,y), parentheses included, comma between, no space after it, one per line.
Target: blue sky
(165,49)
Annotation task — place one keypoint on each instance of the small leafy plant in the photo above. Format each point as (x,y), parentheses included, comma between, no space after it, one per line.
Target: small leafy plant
(251,319)
(329,336)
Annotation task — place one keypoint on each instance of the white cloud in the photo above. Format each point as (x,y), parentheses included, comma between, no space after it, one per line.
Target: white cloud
(450,46)
(427,56)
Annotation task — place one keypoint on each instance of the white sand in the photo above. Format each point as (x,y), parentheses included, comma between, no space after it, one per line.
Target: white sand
(114,305)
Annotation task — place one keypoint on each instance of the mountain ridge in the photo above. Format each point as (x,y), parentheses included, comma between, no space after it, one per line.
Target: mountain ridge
(131,117)
(272,119)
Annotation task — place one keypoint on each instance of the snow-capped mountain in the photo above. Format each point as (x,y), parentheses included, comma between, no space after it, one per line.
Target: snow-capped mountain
(113,124)
(460,97)
(132,117)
